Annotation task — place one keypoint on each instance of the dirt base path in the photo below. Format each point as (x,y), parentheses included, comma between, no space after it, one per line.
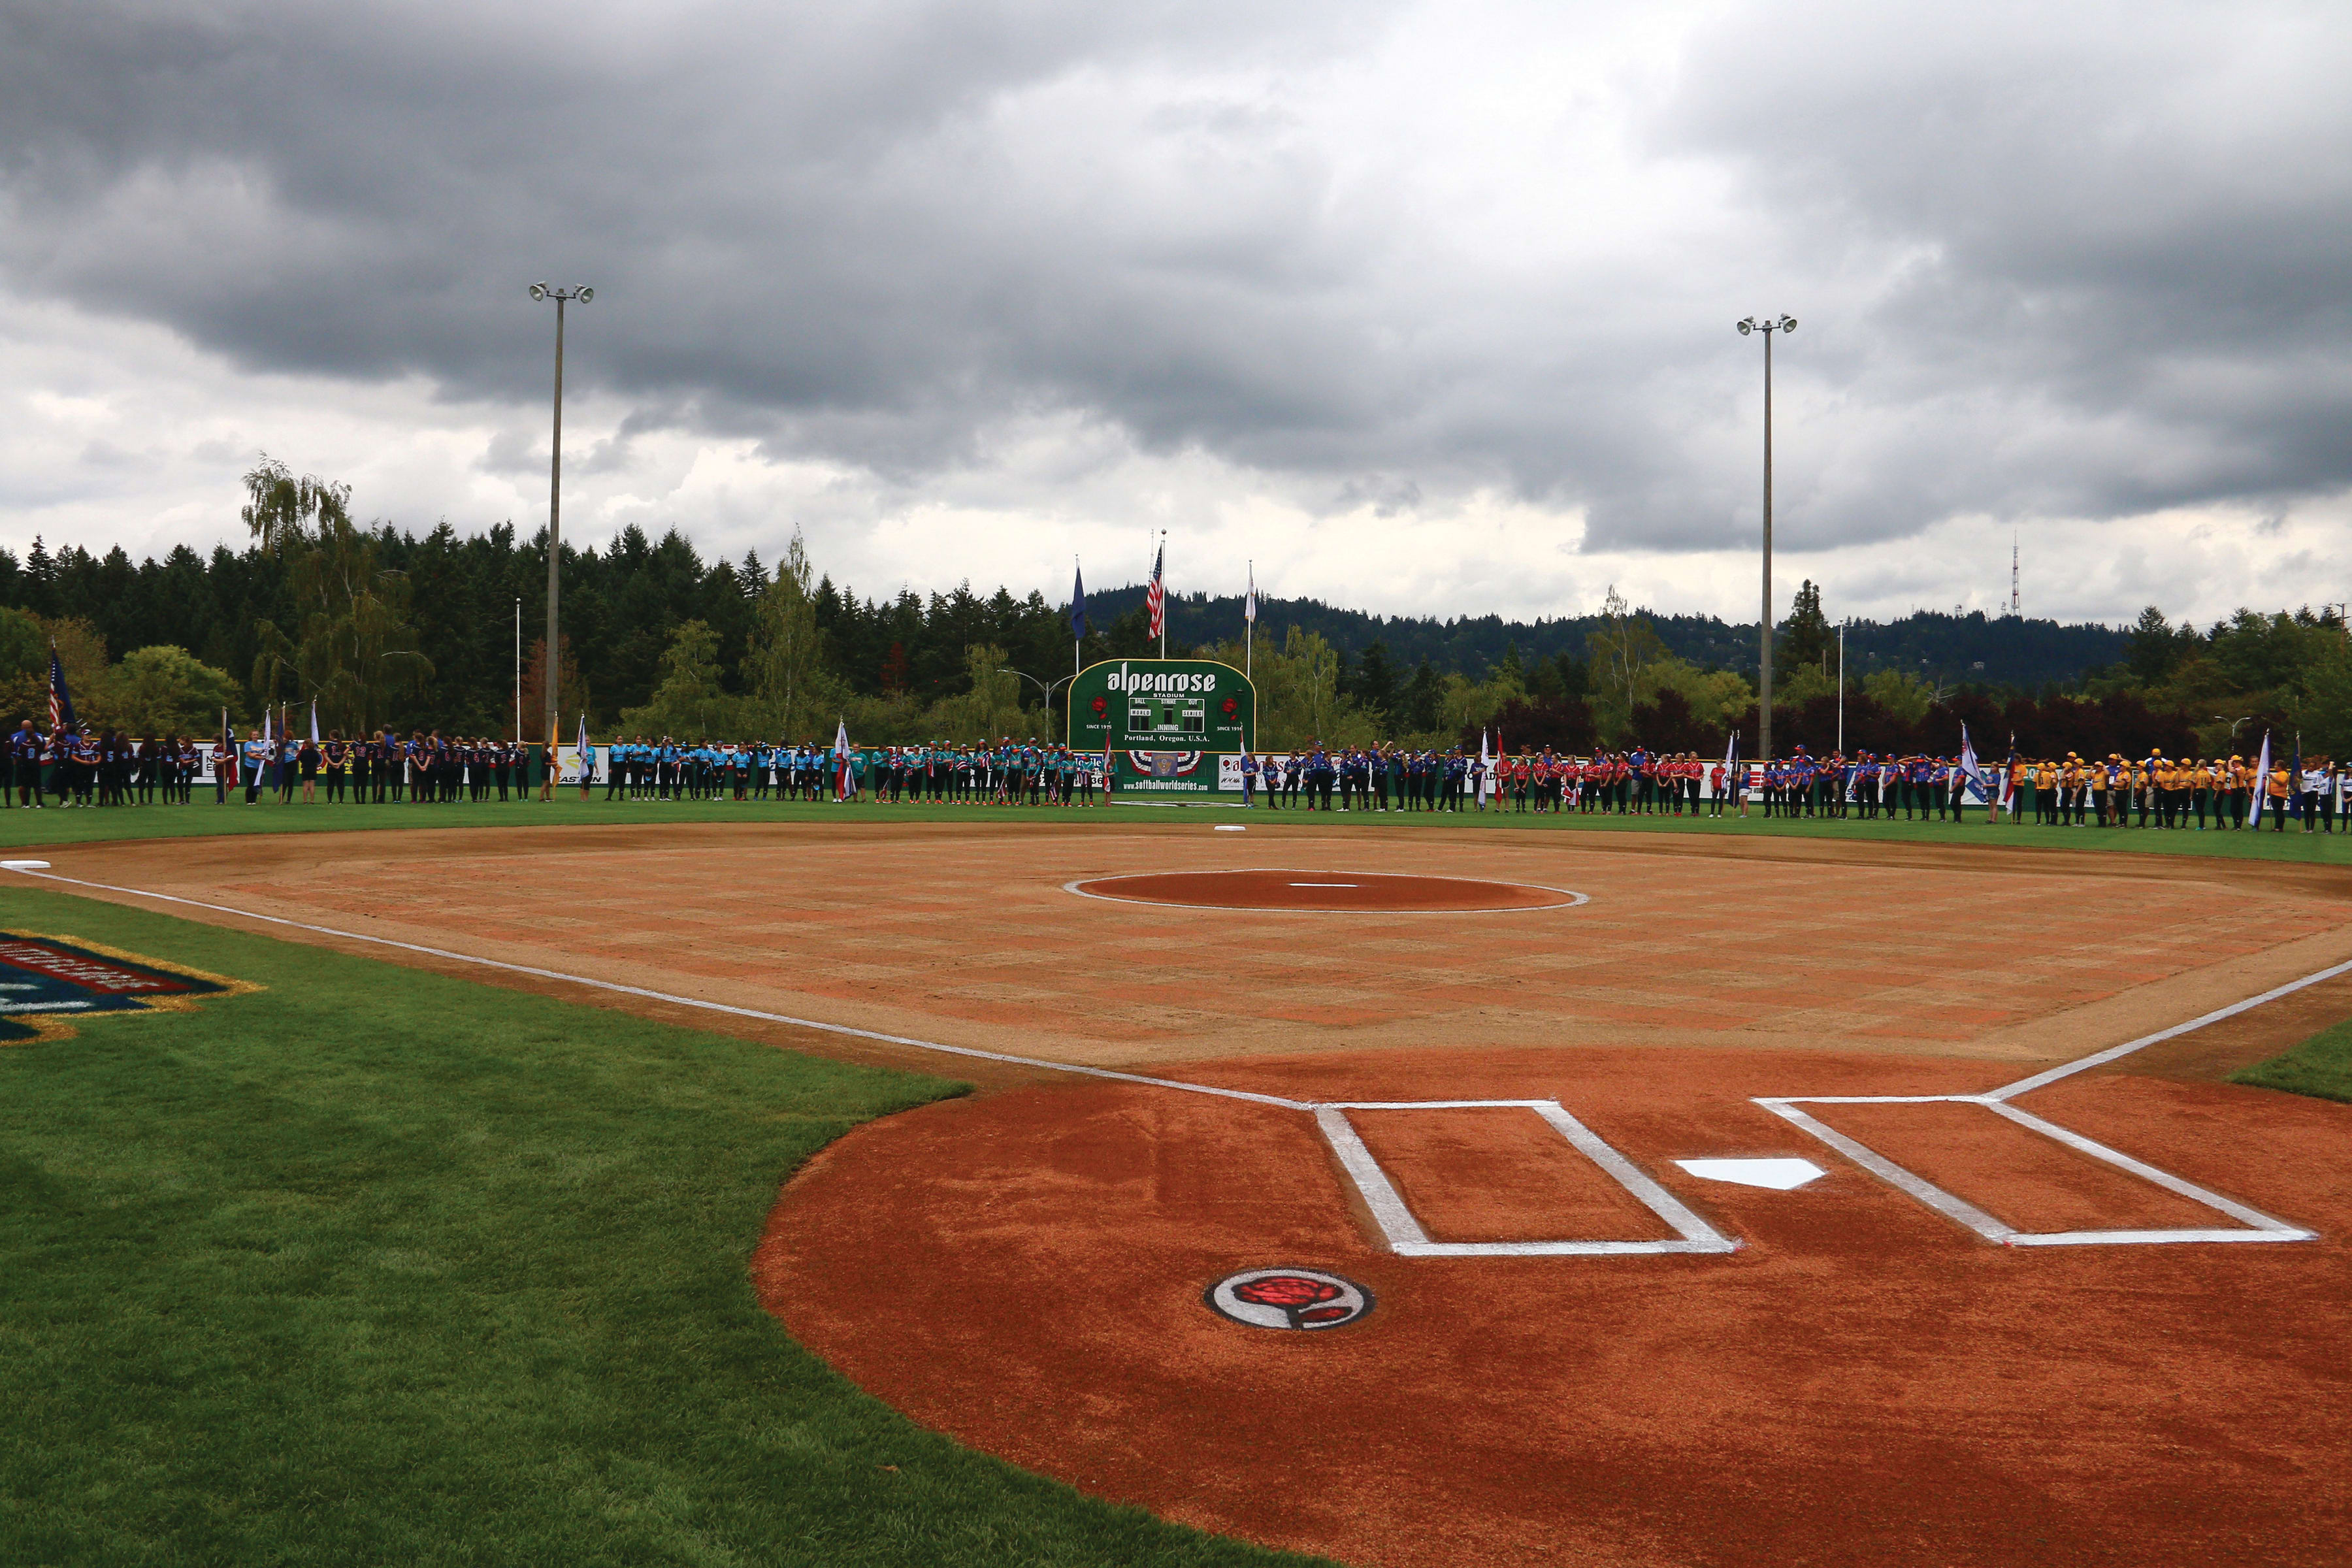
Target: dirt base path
(966,935)
(1864,1381)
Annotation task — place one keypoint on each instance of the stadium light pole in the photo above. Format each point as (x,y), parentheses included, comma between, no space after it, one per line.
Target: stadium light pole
(1768,326)
(1046,690)
(561,296)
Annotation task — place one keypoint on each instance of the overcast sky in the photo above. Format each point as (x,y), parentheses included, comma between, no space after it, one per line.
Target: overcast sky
(1423,307)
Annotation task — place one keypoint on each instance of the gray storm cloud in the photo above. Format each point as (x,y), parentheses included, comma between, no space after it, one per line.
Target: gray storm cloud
(2083,262)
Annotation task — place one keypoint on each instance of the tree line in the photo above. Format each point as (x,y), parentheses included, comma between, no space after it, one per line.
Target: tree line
(380,627)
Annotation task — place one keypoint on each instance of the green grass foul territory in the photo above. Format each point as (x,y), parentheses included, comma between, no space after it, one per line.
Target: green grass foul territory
(379,1266)
(2320,1067)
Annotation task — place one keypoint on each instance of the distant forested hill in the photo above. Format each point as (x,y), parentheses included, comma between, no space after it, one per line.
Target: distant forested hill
(1957,649)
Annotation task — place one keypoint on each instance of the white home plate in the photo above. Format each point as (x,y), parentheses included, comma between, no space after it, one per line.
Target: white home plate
(1780,1175)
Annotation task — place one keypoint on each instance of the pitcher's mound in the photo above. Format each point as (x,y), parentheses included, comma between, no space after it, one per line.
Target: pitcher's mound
(1318,890)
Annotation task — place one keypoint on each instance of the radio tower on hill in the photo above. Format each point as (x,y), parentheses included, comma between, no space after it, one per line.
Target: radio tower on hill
(2014,610)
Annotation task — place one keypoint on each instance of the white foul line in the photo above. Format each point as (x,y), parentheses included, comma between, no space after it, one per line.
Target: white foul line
(2099,1059)
(1387,1205)
(706,1006)
(1387,1208)
(2261,1227)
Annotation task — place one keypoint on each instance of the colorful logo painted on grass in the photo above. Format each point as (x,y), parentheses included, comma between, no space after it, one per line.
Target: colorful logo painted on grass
(1289,1299)
(46,985)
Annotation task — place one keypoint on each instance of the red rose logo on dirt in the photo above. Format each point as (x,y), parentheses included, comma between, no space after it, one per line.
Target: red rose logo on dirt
(1288,1299)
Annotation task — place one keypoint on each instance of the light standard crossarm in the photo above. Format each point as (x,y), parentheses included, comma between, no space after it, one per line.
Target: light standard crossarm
(561,296)
(1767,325)
(1044,689)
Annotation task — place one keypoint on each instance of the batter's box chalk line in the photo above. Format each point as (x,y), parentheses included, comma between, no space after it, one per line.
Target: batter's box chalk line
(1404,1232)
(2253,1225)
(1400,1227)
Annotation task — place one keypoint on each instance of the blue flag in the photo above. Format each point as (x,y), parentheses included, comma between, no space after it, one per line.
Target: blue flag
(1079,605)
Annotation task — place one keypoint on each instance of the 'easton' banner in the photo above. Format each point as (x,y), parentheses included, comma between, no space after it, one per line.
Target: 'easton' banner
(1164,720)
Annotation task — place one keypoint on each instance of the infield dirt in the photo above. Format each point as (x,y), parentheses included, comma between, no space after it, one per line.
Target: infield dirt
(1863,1382)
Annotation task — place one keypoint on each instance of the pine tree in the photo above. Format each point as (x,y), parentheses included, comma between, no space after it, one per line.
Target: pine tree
(1805,637)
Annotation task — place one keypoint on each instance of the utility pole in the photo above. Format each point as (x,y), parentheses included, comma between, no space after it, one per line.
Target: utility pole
(1767,326)
(561,296)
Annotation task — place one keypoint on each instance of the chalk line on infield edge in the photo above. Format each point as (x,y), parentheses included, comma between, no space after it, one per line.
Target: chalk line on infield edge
(2257,1226)
(1403,1232)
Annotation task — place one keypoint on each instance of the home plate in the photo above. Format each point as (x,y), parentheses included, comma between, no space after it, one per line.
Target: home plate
(1780,1175)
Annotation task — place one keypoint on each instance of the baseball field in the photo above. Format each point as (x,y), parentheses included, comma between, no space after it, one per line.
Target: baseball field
(589,1183)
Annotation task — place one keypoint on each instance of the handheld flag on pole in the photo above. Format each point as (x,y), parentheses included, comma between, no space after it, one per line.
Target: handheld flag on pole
(1486,768)
(2262,783)
(1969,770)
(61,713)
(2009,777)
(841,758)
(314,721)
(1155,599)
(2294,779)
(579,750)
(1731,769)
(1249,618)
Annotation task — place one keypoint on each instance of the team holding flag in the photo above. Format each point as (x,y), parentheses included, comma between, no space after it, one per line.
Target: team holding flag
(82,767)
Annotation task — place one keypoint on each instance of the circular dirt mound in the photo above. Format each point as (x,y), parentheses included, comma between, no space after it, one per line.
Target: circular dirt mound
(1374,891)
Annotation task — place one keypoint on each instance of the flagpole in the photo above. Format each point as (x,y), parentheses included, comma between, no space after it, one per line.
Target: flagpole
(1164,593)
(1249,647)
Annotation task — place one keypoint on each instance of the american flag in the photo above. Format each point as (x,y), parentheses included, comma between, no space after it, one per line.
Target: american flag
(61,713)
(1155,598)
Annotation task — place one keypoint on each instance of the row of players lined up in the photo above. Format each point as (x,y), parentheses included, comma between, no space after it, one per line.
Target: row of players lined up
(1009,773)
(89,767)
(2159,791)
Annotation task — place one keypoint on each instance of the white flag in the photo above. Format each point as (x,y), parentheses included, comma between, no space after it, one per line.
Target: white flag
(1486,769)
(1249,604)
(314,721)
(1968,769)
(2262,783)
(841,758)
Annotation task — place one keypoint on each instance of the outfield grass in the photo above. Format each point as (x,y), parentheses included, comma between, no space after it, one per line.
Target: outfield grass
(377,1266)
(2320,1067)
(34,829)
